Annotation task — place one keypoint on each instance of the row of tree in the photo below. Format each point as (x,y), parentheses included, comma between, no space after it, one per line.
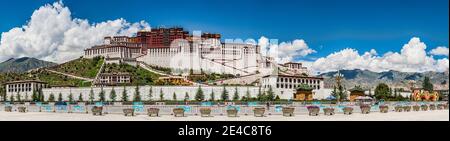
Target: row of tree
(199,96)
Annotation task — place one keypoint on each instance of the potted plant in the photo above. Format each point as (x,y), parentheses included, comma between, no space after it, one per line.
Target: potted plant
(288,111)
(365,109)
(328,111)
(384,108)
(313,110)
(259,111)
(205,112)
(153,112)
(348,110)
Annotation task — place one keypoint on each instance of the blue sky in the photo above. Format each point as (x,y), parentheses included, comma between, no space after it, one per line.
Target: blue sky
(326,25)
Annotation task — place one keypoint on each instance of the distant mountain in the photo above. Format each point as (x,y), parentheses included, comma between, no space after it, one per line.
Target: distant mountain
(369,79)
(23,64)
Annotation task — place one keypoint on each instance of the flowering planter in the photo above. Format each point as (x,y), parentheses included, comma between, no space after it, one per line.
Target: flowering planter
(416,108)
(259,111)
(424,107)
(432,107)
(232,112)
(328,111)
(365,109)
(407,108)
(8,108)
(22,109)
(205,112)
(153,112)
(288,111)
(398,109)
(313,110)
(128,112)
(384,108)
(178,112)
(440,106)
(97,110)
(348,110)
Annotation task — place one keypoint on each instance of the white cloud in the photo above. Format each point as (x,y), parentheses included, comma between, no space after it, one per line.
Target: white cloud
(285,51)
(53,35)
(412,58)
(440,51)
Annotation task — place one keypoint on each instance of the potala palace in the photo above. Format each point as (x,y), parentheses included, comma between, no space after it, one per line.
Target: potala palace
(185,55)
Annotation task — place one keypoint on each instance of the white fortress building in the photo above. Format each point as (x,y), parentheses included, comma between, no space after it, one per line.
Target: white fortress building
(176,49)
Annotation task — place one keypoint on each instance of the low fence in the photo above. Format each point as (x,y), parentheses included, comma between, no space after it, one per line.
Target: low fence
(141,109)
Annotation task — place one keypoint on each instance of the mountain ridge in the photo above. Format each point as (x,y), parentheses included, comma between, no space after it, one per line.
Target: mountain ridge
(23,64)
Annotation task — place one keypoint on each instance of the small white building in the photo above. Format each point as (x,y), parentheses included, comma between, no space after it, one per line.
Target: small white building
(24,87)
(284,85)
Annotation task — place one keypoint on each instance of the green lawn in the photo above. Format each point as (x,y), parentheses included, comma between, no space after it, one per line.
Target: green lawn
(82,67)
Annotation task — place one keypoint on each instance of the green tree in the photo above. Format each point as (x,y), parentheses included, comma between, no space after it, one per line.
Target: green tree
(113,95)
(11,98)
(277,98)
(91,95)
(34,96)
(270,94)
(427,85)
(161,95)
(260,95)
(41,95)
(51,98)
(2,92)
(382,91)
(236,94)
(80,97)
(224,94)
(199,96)
(150,94)
(18,97)
(186,97)
(124,94)
(26,97)
(334,92)
(247,95)
(101,95)
(174,96)
(137,94)
(212,96)
(60,97)
(70,97)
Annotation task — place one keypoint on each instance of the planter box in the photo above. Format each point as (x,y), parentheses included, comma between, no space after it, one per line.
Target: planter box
(97,111)
(424,107)
(22,109)
(384,109)
(153,112)
(407,108)
(313,110)
(232,112)
(416,108)
(398,109)
(365,109)
(432,107)
(178,112)
(288,111)
(8,108)
(205,112)
(440,106)
(328,111)
(348,110)
(128,112)
(259,112)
